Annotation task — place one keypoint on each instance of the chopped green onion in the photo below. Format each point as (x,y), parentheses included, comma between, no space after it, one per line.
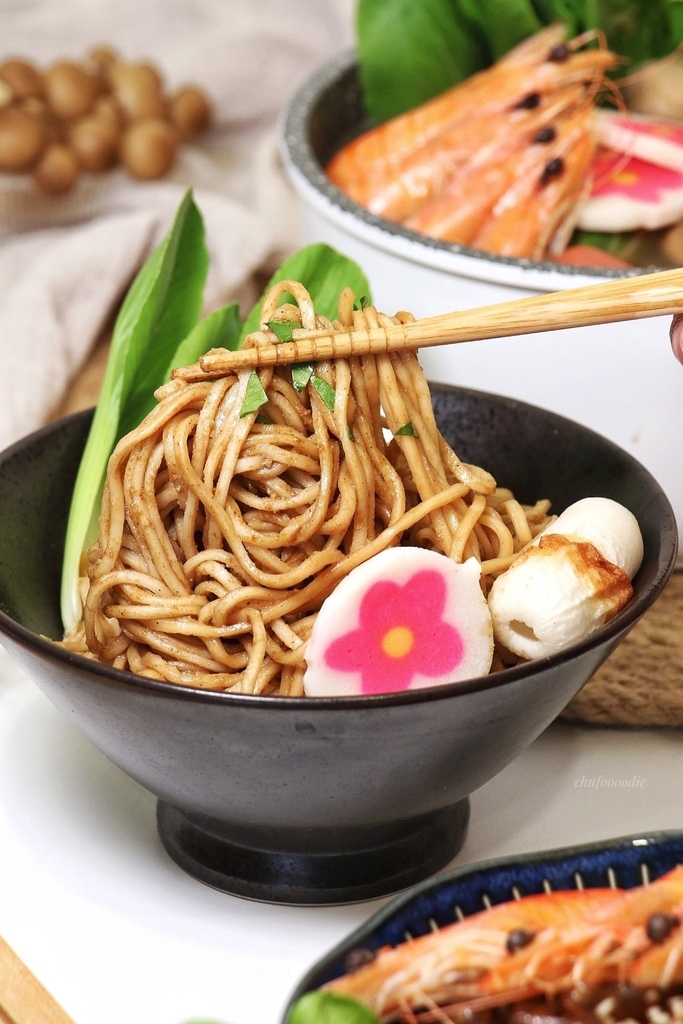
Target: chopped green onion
(407,430)
(282,329)
(301,375)
(325,390)
(255,395)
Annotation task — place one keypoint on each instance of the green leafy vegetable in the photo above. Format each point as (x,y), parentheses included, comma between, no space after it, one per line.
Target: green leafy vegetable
(637,29)
(323,272)
(501,34)
(409,52)
(330,1008)
(617,243)
(255,395)
(325,390)
(204,1021)
(676,18)
(301,375)
(282,329)
(220,329)
(407,430)
(160,309)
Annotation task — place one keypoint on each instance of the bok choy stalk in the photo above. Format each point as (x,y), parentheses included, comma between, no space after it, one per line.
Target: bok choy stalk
(157,329)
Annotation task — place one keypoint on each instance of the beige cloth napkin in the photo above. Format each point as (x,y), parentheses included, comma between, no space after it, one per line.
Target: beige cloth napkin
(65,265)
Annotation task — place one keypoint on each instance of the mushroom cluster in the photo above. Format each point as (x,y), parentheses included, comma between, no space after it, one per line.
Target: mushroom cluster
(92,115)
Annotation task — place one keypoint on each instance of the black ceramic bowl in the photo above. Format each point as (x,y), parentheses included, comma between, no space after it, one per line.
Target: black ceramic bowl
(305,800)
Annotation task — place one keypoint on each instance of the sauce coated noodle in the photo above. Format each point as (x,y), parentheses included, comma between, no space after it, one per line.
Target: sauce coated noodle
(221,534)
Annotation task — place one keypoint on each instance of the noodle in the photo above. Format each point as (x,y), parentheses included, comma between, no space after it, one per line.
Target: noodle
(221,534)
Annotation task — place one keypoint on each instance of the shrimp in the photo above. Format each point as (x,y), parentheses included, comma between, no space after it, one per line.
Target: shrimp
(383,147)
(400,168)
(454,959)
(537,213)
(477,143)
(482,203)
(567,948)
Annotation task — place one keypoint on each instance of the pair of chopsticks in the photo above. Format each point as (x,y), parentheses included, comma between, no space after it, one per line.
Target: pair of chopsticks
(628,298)
(23,1000)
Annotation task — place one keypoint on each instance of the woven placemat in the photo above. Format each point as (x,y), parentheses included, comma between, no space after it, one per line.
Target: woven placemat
(641,683)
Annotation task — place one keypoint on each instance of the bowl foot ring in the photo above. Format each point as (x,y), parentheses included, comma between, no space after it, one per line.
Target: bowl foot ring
(326,878)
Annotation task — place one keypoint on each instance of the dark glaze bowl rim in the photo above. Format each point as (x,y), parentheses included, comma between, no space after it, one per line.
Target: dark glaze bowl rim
(298,151)
(119,677)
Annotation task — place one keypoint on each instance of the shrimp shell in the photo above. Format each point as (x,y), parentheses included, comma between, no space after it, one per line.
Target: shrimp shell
(528,216)
(424,175)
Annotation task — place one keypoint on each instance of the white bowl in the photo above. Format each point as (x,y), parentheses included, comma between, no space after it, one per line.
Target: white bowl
(619,379)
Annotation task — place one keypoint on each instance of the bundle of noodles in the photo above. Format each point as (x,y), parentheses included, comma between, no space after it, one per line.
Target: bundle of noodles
(500,162)
(222,531)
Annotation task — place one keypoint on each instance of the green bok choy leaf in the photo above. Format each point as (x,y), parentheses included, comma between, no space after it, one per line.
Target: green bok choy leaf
(409,52)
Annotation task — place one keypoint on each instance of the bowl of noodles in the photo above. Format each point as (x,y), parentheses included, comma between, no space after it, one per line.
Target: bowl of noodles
(615,378)
(262,791)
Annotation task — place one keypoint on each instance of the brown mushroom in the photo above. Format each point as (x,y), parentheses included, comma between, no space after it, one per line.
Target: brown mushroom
(95,141)
(57,169)
(22,77)
(22,139)
(70,89)
(138,90)
(190,111)
(91,115)
(103,58)
(148,148)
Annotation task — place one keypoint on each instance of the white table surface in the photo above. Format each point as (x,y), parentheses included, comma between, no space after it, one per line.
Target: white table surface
(117,932)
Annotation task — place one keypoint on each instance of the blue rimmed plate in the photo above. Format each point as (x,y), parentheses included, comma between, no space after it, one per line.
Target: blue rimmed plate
(623,862)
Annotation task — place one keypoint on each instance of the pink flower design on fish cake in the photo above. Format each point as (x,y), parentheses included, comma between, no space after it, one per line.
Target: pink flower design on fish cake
(633,177)
(405,618)
(401,634)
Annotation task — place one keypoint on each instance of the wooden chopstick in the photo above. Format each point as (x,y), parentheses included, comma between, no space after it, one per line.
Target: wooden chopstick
(646,295)
(23,1000)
